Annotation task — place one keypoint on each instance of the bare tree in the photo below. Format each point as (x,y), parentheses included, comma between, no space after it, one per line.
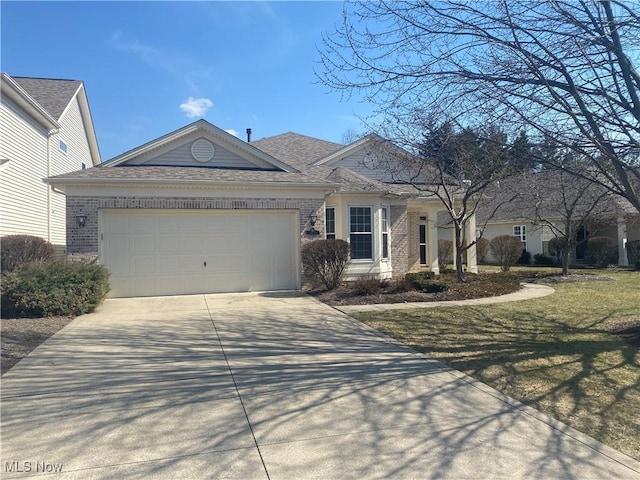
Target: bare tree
(447,162)
(564,204)
(560,69)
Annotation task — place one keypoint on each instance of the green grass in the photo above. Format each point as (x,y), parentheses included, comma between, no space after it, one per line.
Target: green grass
(560,354)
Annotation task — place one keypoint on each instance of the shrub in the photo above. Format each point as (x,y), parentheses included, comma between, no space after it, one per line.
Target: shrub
(540,259)
(525,258)
(633,251)
(601,251)
(506,250)
(54,288)
(366,286)
(423,281)
(326,261)
(445,253)
(20,250)
(557,246)
(482,248)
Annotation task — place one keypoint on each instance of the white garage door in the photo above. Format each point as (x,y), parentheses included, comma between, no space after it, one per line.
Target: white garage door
(174,252)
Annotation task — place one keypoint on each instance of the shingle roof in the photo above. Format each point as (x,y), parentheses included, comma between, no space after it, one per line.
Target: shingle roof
(517,197)
(54,95)
(297,150)
(203,174)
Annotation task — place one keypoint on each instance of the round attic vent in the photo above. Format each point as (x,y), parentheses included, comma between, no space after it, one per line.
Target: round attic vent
(202,150)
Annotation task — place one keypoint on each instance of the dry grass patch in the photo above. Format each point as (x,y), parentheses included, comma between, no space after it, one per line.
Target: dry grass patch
(573,355)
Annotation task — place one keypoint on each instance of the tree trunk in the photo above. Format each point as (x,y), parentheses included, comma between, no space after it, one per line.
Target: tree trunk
(459,251)
(565,262)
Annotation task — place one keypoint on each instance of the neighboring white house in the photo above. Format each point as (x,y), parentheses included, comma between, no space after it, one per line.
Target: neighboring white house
(199,211)
(45,130)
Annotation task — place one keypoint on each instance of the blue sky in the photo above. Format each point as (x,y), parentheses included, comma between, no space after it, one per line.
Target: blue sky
(152,67)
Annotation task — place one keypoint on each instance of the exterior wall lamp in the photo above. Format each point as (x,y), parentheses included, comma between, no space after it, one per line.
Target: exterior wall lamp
(312,224)
(81,220)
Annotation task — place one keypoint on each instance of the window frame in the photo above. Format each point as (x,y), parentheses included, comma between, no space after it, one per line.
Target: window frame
(329,234)
(385,250)
(368,234)
(521,235)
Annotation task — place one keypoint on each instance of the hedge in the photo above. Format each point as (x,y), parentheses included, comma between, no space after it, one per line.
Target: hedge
(53,289)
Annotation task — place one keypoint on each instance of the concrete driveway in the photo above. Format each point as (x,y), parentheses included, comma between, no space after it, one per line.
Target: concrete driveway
(268,386)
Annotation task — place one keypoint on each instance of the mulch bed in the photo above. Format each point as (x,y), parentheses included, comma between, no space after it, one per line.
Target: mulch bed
(21,335)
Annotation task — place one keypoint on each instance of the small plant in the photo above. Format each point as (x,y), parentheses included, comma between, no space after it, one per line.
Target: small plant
(53,289)
(326,260)
(540,259)
(601,251)
(423,281)
(20,250)
(363,286)
(525,258)
(482,248)
(445,253)
(506,250)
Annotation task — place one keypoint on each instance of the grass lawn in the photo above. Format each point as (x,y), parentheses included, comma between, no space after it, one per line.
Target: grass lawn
(573,355)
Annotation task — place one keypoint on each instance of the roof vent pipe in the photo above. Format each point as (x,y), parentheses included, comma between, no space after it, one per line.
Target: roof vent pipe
(248,135)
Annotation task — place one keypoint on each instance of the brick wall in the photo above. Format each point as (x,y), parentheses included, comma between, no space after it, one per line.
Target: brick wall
(399,240)
(83,242)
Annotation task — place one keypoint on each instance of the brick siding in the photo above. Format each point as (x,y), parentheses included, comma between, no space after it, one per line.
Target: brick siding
(83,242)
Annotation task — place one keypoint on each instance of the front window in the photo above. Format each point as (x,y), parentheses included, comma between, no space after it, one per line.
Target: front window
(423,244)
(385,232)
(360,233)
(330,223)
(520,231)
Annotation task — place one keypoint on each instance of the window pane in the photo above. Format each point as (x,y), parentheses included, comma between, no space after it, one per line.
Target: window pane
(385,245)
(423,234)
(360,219)
(331,236)
(361,246)
(423,254)
(330,222)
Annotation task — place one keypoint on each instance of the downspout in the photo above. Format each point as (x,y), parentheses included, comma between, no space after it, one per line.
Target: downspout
(49,135)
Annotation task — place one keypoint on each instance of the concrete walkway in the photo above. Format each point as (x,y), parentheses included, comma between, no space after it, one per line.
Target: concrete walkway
(527,292)
(267,386)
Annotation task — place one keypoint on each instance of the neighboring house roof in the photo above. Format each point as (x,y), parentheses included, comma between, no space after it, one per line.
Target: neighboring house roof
(47,99)
(518,197)
(53,94)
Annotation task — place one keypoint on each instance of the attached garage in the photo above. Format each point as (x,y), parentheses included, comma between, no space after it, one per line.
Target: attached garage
(174,252)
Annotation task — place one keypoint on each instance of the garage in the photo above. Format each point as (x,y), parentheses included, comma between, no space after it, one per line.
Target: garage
(179,252)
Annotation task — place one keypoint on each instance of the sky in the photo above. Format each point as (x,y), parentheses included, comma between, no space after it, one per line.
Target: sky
(152,67)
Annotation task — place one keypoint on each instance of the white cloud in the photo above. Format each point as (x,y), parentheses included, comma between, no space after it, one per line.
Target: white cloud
(196,107)
(232,131)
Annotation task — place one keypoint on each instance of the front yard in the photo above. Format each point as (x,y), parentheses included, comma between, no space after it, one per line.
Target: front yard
(573,355)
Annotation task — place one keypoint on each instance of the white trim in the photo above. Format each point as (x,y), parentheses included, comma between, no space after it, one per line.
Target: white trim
(371,233)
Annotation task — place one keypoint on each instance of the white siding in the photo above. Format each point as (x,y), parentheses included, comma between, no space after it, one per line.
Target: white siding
(23,195)
(25,200)
(72,132)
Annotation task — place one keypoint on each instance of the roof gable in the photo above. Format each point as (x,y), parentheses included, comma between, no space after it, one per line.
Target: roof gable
(54,95)
(200,144)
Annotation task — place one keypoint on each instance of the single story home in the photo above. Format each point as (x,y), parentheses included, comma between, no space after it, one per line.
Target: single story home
(199,211)
(537,207)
